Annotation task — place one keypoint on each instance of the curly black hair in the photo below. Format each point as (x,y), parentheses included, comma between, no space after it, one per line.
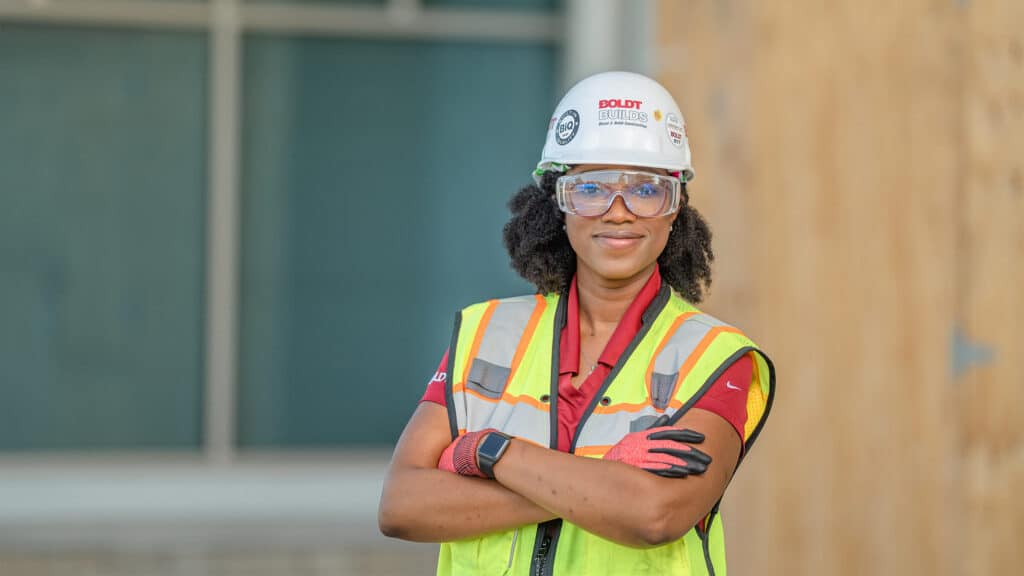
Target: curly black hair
(541,252)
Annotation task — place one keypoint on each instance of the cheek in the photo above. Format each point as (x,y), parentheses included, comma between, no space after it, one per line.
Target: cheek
(576,231)
(659,237)
(661,232)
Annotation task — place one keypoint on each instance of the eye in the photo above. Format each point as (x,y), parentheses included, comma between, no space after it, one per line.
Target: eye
(645,190)
(587,189)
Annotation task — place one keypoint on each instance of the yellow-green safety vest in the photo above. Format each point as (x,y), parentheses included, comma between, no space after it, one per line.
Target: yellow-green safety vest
(503,374)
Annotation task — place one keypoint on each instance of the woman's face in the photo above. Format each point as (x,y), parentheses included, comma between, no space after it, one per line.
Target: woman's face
(617,246)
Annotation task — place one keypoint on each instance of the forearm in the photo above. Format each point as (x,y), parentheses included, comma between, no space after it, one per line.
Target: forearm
(431,505)
(624,504)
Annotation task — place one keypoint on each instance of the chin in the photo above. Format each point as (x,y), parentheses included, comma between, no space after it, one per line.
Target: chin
(620,271)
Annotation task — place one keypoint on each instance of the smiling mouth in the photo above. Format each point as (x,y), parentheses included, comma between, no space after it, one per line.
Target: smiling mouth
(618,239)
(619,235)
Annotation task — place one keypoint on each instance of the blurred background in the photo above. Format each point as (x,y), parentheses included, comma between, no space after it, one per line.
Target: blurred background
(234,234)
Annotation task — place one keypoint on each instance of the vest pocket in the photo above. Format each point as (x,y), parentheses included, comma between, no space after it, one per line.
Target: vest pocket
(487,379)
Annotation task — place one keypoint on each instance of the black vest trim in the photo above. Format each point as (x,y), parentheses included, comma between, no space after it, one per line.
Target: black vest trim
(652,312)
(449,396)
(561,316)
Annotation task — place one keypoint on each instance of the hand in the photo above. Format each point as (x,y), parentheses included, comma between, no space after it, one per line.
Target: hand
(665,451)
(460,456)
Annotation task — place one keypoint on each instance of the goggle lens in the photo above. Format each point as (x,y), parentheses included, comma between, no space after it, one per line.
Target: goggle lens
(646,195)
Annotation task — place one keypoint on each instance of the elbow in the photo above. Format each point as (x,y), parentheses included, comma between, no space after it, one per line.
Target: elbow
(658,533)
(389,522)
(392,530)
(388,527)
(663,525)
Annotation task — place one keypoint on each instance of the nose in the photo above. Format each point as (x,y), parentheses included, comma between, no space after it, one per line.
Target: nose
(618,212)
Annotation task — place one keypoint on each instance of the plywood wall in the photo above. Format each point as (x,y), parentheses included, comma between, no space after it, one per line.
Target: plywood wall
(860,164)
(991,268)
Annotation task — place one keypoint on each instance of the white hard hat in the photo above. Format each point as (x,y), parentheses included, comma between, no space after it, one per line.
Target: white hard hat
(617,118)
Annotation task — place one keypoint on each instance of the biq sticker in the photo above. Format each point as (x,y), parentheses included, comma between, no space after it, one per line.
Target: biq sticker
(675,129)
(567,127)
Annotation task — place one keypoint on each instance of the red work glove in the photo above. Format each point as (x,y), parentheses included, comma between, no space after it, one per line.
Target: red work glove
(665,451)
(460,456)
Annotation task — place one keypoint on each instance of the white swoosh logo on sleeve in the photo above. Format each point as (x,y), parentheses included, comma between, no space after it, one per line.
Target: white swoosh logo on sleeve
(729,385)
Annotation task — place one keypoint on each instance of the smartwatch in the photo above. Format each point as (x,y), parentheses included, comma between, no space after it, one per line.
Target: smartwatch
(490,450)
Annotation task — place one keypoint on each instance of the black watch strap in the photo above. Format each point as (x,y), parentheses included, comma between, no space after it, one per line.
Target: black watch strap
(490,450)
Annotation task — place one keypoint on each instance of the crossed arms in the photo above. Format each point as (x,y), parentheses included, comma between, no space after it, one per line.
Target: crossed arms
(616,501)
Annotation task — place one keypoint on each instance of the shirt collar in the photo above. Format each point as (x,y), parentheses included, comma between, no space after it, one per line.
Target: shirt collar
(629,326)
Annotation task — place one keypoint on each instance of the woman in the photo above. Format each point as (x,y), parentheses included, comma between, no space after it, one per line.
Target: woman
(591,428)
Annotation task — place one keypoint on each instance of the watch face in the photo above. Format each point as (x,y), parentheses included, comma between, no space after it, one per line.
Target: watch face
(492,444)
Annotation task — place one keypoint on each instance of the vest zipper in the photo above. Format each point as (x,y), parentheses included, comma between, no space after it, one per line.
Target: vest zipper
(543,553)
(547,532)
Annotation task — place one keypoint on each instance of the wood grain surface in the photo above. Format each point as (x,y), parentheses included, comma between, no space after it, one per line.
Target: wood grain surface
(860,164)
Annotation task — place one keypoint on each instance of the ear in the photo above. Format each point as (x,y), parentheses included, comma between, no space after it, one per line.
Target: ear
(678,211)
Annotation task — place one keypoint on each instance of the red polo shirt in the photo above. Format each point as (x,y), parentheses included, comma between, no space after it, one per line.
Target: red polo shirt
(727,397)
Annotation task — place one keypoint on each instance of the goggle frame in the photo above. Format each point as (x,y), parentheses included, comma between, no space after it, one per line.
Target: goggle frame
(564,184)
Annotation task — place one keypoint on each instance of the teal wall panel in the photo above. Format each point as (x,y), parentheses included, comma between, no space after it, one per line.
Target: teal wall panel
(102,179)
(550,5)
(328,2)
(375,181)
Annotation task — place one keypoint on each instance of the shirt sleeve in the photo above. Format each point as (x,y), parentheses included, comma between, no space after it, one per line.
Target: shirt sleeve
(727,397)
(435,388)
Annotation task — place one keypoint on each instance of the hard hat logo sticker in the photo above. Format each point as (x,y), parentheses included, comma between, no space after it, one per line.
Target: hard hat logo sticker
(619,103)
(621,112)
(568,125)
(675,129)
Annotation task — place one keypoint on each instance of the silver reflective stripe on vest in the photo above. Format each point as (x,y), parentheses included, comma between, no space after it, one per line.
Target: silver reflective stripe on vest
(675,353)
(605,429)
(490,370)
(517,419)
(521,420)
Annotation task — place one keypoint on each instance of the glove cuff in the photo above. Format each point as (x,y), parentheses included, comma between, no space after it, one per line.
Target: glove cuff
(464,457)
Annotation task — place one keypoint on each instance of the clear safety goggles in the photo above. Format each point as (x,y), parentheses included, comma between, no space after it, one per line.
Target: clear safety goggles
(646,195)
